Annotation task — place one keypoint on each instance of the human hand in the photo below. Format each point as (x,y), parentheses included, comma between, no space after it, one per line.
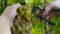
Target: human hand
(7,18)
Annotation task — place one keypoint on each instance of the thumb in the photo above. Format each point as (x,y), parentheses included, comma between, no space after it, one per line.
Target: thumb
(17,5)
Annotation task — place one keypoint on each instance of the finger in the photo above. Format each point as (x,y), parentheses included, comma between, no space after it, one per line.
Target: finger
(45,13)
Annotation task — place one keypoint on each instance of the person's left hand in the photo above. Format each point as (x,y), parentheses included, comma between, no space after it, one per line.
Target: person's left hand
(7,18)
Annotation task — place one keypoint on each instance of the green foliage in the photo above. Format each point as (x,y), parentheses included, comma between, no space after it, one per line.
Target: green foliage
(56,28)
(1,7)
(10,2)
(48,1)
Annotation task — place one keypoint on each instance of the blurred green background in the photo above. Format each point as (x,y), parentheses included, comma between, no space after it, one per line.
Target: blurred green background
(36,27)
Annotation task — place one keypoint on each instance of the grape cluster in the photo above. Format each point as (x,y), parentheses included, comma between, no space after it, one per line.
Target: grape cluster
(22,21)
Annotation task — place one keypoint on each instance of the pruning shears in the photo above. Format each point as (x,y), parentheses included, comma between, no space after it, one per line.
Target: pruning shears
(42,18)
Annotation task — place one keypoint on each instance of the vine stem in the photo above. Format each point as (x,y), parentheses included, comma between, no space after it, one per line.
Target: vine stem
(4,3)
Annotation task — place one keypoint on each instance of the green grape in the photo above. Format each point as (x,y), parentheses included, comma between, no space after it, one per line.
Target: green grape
(26,17)
(13,30)
(25,8)
(21,12)
(28,12)
(19,28)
